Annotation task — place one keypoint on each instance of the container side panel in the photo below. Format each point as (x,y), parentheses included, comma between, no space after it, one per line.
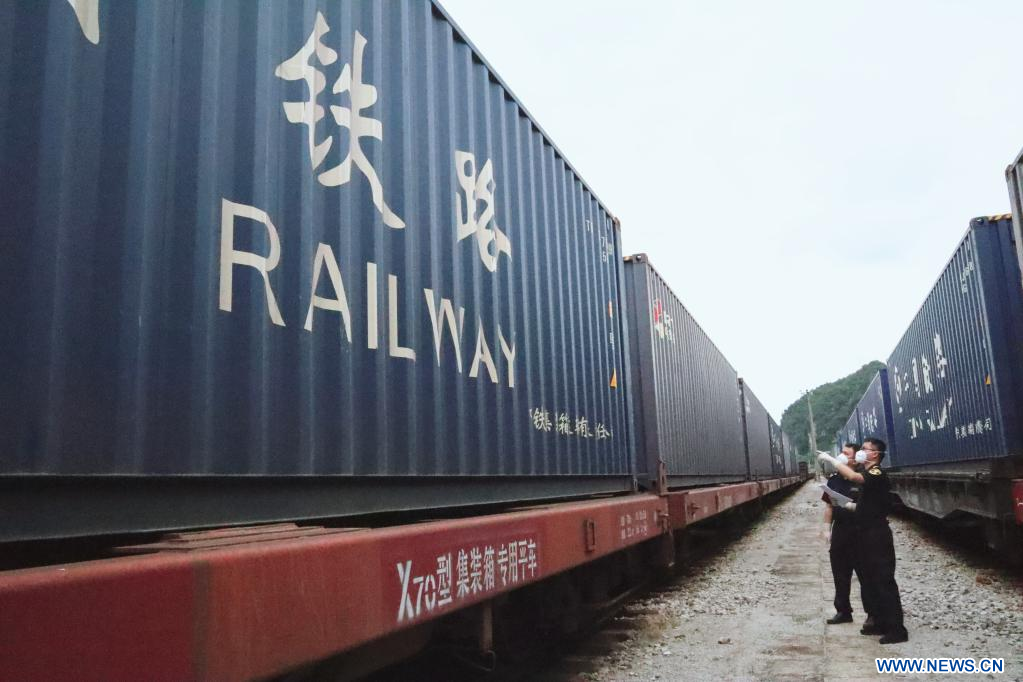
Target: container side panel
(264,238)
(954,376)
(688,387)
(758,435)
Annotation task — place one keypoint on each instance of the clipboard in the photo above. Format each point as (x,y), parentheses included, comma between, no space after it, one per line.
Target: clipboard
(837,498)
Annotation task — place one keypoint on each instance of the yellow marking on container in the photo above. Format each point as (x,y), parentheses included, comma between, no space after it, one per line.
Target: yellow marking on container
(987,382)
(610,310)
(614,379)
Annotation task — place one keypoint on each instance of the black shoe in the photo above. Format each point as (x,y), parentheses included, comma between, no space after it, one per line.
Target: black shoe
(871,630)
(840,618)
(869,622)
(895,637)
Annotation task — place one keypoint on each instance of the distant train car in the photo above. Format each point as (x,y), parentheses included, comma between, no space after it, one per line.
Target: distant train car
(684,390)
(790,455)
(956,387)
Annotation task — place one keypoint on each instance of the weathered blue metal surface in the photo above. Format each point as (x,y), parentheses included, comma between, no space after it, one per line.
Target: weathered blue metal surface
(851,430)
(875,413)
(294,239)
(955,376)
(758,434)
(687,402)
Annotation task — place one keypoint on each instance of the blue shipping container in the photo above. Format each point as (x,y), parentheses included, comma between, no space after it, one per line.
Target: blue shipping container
(851,430)
(875,412)
(319,244)
(684,390)
(757,429)
(955,376)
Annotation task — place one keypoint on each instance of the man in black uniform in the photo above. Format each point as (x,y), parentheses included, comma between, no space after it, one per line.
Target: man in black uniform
(876,556)
(844,536)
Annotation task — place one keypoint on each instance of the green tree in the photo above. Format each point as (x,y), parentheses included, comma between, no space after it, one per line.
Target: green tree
(833,404)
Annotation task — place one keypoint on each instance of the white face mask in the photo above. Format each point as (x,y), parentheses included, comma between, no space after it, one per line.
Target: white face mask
(842,459)
(861,456)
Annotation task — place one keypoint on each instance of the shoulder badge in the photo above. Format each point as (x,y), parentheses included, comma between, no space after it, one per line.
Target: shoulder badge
(876,471)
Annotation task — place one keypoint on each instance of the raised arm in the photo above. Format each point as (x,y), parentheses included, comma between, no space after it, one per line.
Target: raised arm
(844,470)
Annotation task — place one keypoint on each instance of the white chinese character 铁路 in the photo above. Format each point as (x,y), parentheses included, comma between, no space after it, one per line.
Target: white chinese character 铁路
(362,95)
(463,574)
(491,241)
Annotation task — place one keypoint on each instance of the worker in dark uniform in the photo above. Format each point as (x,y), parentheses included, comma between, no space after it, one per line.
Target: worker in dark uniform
(876,556)
(843,532)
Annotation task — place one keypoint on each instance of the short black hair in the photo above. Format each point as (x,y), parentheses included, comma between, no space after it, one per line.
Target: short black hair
(879,444)
(854,446)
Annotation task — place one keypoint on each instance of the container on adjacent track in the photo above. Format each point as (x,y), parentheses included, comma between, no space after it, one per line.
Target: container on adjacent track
(684,390)
(757,431)
(875,415)
(272,261)
(956,375)
(1014,178)
(851,431)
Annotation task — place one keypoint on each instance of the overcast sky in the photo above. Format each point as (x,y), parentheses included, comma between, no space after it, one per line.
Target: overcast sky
(799,171)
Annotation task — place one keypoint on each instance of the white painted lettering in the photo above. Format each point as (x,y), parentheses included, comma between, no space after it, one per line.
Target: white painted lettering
(396,349)
(509,355)
(229,256)
(437,317)
(482,353)
(405,605)
(325,256)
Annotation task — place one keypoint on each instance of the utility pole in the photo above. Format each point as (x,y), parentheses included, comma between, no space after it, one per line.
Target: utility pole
(813,427)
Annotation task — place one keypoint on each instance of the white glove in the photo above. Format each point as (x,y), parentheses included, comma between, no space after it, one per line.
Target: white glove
(851,506)
(825,457)
(826,535)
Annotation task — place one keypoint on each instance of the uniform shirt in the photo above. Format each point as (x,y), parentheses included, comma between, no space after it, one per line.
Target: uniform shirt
(843,487)
(875,501)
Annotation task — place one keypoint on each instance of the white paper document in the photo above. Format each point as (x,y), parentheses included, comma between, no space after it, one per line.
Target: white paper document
(837,498)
